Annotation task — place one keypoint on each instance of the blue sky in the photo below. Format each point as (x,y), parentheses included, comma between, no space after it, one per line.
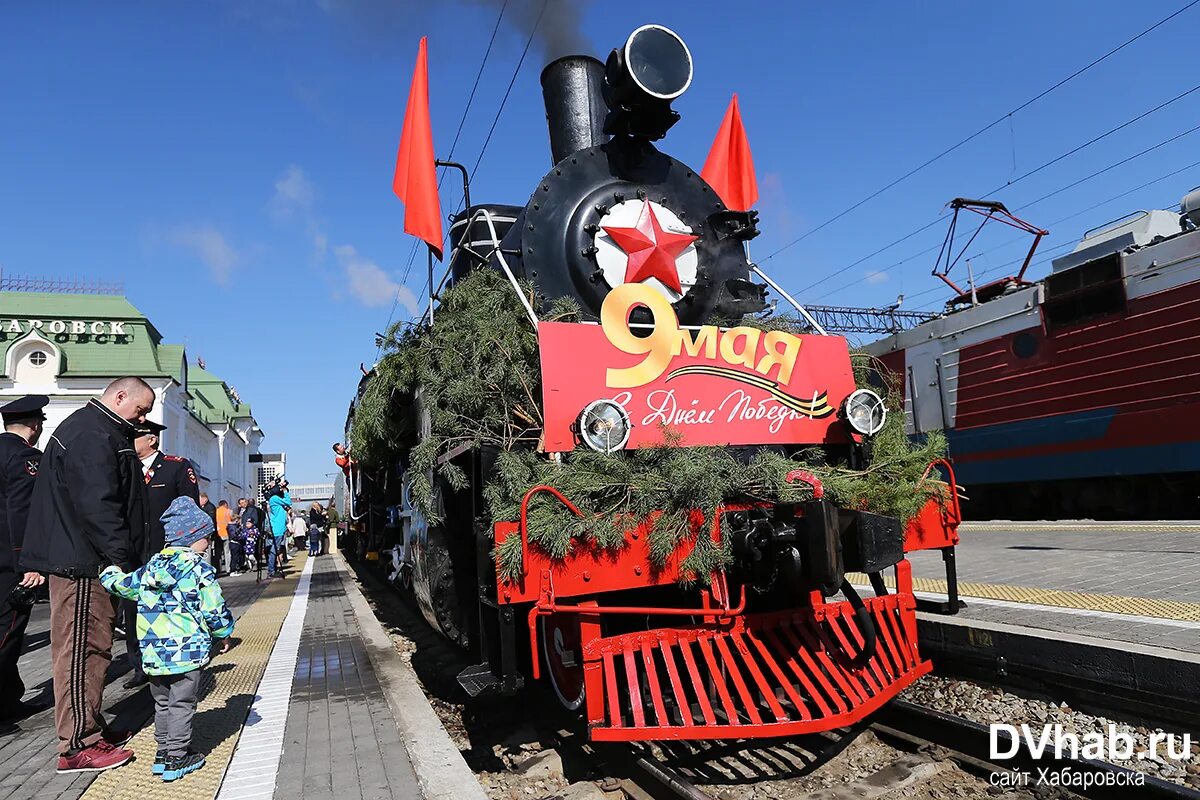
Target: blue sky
(231,162)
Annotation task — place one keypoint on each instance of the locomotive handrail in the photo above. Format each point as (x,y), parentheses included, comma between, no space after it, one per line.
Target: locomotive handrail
(525,522)
(487,217)
(795,304)
(804,476)
(552,607)
(466,232)
(353,518)
(952,484)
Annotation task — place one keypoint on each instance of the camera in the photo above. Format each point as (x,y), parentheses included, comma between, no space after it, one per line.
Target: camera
(276,487)
(22,597)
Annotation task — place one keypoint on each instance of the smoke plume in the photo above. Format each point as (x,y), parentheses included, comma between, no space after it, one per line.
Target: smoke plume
(559,31)
(556,24)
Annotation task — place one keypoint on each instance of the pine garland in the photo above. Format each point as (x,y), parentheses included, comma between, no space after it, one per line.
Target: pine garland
(476,374)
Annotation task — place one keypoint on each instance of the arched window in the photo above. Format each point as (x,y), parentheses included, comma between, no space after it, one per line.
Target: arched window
(33,362)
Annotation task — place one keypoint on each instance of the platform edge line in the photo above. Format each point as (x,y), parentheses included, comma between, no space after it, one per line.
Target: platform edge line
(439,765)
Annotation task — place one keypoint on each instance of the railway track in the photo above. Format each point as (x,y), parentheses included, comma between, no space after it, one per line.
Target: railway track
(970,742)
(907,750)
(923,739)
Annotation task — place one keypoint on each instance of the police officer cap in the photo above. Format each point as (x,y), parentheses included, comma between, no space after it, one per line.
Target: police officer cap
(25,407)
(148,427)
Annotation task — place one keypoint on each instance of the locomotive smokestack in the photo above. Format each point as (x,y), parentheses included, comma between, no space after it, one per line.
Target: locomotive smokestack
(575,109)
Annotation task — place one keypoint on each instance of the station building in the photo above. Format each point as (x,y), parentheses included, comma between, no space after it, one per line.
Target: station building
(70,346)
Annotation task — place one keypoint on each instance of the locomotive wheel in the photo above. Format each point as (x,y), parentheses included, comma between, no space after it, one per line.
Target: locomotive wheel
(448,570)
(562,652)
(446,589)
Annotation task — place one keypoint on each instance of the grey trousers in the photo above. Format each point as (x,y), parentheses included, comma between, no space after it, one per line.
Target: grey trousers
(175,699)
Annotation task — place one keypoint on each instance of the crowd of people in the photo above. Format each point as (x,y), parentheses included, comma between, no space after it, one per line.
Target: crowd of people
(127,544)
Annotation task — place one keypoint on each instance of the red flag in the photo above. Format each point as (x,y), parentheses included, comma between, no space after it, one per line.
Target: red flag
(729,169)
(415,181)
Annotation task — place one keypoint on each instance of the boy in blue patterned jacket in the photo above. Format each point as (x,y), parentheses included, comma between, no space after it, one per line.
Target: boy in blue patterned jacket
(180,612)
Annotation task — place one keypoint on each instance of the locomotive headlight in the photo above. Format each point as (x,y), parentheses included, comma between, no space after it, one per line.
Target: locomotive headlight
(604,426)
(641,78)
(864,411)
(658,62)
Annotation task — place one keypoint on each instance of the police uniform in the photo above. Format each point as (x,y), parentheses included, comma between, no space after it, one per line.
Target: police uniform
(18,468)
(167,477)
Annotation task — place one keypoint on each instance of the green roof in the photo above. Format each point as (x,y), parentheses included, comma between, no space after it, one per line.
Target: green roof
(85,354)
(116,339)
(214,402)
(68,306)
(170,360)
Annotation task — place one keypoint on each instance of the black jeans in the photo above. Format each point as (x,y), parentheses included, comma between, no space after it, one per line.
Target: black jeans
(218,552)
(12,637)
(129,614)
(237,556)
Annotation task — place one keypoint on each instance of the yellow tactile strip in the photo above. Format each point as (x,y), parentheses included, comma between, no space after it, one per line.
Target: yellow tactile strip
(228,691)
(1058,598)
(1080,527)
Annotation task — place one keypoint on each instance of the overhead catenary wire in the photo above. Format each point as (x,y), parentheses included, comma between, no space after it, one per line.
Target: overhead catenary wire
(1073,241)
(981,131)
(1099,138)
(427,287)
(1056,159)
(412,254)
(475,86)
(504,101)
(1113,166)
(1030,204)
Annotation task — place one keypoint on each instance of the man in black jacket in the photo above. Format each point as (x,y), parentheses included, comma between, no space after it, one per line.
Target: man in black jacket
(166,477)
(88,510)
(23,420)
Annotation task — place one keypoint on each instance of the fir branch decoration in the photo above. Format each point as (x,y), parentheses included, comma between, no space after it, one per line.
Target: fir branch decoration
(474,379)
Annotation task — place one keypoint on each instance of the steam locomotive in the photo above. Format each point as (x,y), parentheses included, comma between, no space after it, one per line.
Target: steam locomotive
(653,258)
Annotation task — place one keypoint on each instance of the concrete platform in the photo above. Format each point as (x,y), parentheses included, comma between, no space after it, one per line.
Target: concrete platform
(1126,582)
(1142,681)
(304,705)
(1116,605)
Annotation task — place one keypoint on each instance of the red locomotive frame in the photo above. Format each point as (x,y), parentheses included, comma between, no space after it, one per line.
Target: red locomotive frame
(727,672)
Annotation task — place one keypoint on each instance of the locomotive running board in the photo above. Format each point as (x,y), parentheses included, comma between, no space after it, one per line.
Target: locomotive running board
(776,674)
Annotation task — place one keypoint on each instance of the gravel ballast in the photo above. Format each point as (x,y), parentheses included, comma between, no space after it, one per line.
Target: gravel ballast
(989,705)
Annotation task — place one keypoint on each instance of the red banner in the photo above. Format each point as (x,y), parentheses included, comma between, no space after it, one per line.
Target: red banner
(712,386)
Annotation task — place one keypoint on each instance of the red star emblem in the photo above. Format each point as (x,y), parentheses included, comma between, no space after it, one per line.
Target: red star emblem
(651,250)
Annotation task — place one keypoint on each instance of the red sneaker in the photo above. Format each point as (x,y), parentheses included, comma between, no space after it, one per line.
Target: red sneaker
(97,758)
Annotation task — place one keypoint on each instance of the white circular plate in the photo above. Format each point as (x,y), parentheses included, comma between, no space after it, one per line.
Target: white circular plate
(612,258)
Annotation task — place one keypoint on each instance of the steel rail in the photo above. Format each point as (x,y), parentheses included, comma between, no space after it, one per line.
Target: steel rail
(671,780)
(972,740)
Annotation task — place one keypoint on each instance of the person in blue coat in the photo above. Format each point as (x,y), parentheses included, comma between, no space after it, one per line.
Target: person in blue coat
(279,506)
